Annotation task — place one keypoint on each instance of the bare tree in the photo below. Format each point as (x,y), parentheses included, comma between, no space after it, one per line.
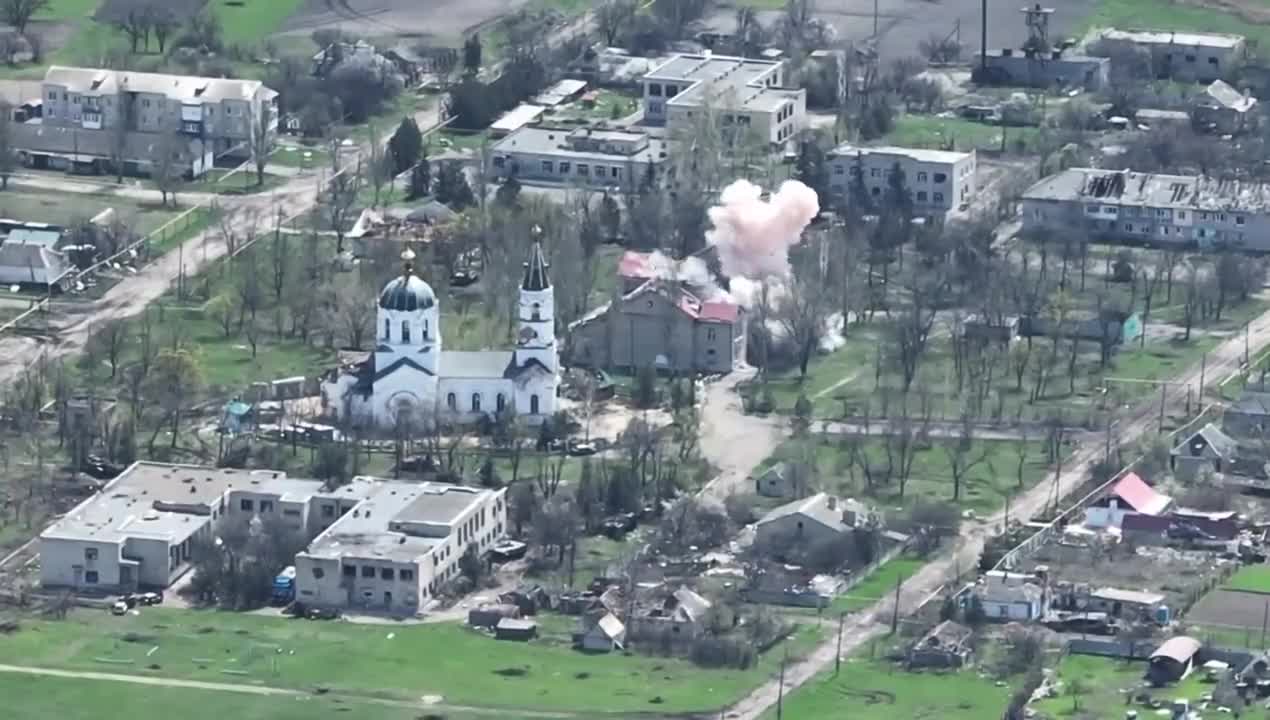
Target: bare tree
(261,139)
(613,17)
(353,315)
(339,196)
(8,152)
(18,13)
(168,166)
(164,23)
(963,454)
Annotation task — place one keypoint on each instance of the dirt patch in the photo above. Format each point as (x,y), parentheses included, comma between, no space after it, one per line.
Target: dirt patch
(1230,608)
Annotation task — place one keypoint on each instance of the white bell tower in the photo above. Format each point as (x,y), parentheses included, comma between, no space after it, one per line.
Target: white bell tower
(536,335)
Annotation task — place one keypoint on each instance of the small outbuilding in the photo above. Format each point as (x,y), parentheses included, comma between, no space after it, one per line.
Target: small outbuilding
(488,616)
(1209,447)
(784,480)
(604,635)
(1130,494)
(947,645)
(513,629)
(1173,660)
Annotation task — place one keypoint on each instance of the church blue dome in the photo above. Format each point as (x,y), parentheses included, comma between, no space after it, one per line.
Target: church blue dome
(407,292)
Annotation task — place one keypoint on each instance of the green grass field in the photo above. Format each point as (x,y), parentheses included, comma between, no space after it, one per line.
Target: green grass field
(399,662)
(867,689)
(878,585)
(1168,15)
(984,487)
(1102,684)
(36,205)
(1251,578)
(929,131)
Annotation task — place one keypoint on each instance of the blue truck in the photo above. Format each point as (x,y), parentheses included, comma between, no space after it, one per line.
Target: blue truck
(284,586)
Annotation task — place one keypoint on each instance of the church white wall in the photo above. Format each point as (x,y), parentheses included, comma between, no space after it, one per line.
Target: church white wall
(465,390)
(402,333)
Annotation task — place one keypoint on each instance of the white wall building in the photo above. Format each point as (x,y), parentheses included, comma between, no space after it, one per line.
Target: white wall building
(939,181)
(410,380)
(746,95)
(1184,55)
(395,548)
(379,544)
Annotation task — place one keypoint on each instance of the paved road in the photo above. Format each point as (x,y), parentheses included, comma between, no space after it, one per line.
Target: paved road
(1139,421)
(132,294)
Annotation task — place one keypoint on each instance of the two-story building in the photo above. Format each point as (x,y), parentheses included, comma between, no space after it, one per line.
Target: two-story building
(223,113)
(939,181)
(746,96)
(1194,56)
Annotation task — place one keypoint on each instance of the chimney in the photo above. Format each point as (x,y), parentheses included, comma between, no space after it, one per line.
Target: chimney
(833,502)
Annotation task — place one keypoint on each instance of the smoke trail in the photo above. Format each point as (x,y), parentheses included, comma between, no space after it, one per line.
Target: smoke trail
(753,236)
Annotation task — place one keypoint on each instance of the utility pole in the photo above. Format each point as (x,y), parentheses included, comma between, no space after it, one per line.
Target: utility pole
(875,19)
(780,690)
(983,37)
(895,614)
(1163,389)
(837,658)
(1203,368)
(1246,326)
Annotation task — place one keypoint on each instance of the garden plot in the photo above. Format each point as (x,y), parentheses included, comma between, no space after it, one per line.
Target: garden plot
(1180,576)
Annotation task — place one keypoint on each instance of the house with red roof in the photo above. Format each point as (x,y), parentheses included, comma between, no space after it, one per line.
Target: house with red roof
(663,325)
(1131,494)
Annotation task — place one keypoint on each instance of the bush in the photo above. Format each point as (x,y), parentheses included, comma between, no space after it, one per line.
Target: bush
(716,652)
(740,509)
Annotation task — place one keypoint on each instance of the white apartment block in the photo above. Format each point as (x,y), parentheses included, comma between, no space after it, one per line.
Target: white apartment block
(223,112)
(939,181)
(138,532)
(1127,206)
(746,95)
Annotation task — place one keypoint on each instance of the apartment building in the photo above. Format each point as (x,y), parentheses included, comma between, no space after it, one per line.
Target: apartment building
(222,112)
(1196,56)
(583,156)
(1128,206)
(140,530)
(939,181)
(746,95)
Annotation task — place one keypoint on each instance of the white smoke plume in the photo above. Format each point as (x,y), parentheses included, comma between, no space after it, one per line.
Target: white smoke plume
(753,236)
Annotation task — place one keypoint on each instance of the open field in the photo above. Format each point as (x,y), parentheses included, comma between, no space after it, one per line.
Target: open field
(463,666)
(874,689)
(1102,685)
(1235,617)
(438,21)
(929,131)
(1252,578)
(985,486)
(1242,17)
(65,208)
(877,585)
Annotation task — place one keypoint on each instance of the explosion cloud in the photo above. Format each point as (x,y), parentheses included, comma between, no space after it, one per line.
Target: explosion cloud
(753,235)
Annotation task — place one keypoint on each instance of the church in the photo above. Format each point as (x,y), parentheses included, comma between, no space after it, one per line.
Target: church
(410,380)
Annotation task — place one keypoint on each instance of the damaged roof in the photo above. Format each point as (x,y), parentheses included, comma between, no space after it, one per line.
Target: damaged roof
(1126,187)
(1221,93)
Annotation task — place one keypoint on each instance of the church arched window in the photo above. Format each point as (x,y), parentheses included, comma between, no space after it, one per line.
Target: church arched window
(533,404)
(476,402)
(501,402)
(424,337)
(405,331)
(452,402)
(537,312)
(387,329)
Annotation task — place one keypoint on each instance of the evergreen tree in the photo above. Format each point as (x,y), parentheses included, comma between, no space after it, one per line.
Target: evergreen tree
(812,169)
(421,176)
(472,54)
(406,144)
(453,189)
(508,194)
(610,217)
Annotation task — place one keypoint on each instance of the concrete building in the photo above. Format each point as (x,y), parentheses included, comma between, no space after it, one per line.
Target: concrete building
(53,147)
(939,181)
(1056,68)
(583,156)
(1224,110)
(1128,206)
(30,256)
(397,544)
(222,112)
(747,96)
(662,325)
(138,531)
(816,518)
(1201,57)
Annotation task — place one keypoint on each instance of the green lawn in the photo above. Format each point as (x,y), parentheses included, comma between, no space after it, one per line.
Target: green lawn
(1252,578)
(294,156)
(1167,15)
(252,20)
(446,139)
(1103,683)
(984,486)
(869,689)
(29,696)
(827,375)
(930,131)
(879,584)
(402,662)
(64,208)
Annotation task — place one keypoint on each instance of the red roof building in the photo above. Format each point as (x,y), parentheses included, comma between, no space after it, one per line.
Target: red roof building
(1130,494)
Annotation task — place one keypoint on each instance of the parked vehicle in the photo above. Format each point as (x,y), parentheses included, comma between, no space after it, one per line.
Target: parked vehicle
(284,586)
(119,608)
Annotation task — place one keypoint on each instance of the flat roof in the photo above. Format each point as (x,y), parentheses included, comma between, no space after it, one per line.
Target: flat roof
(1168,37)
(518,117)
(744,78)
(1126,187)
(187,88)
(848,150)
(549,141)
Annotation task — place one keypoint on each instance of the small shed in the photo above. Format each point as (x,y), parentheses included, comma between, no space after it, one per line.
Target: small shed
(514,629)
(604,635)
(947,645)
(1173,660)
(788,480)
(237,417)
(488,616)
(1208,447)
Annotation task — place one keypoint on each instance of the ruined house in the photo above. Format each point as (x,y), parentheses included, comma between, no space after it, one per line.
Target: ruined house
(947,645)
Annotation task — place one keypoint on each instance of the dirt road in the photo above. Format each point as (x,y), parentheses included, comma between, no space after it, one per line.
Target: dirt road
(1139,421)
(132,294)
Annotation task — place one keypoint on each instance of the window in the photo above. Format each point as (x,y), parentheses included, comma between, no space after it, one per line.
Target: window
(564,168)
(548,166)
(328,511)
(1108,210)
(1212,61)
(839,170)
(1128,227)
(921,196)
(584,169)
(938,197)
(672,90)
(615,172)
(144,103)
(654,89)
(405,331)
(90,577)
(921,176)
(1222,217)
(319,573)
(940,177)
(350,571)
(1239,219)
(536,313)
(874,172)
(876,191)
(1181,214)
(90,554)
(1190,58)
(710,333)
(533,404)
(387,329)
(386,574)
(368,571)
(500,403)
(451,401)
(499,161)
(266,506)
(245,505)
(476,402)
(406,575)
